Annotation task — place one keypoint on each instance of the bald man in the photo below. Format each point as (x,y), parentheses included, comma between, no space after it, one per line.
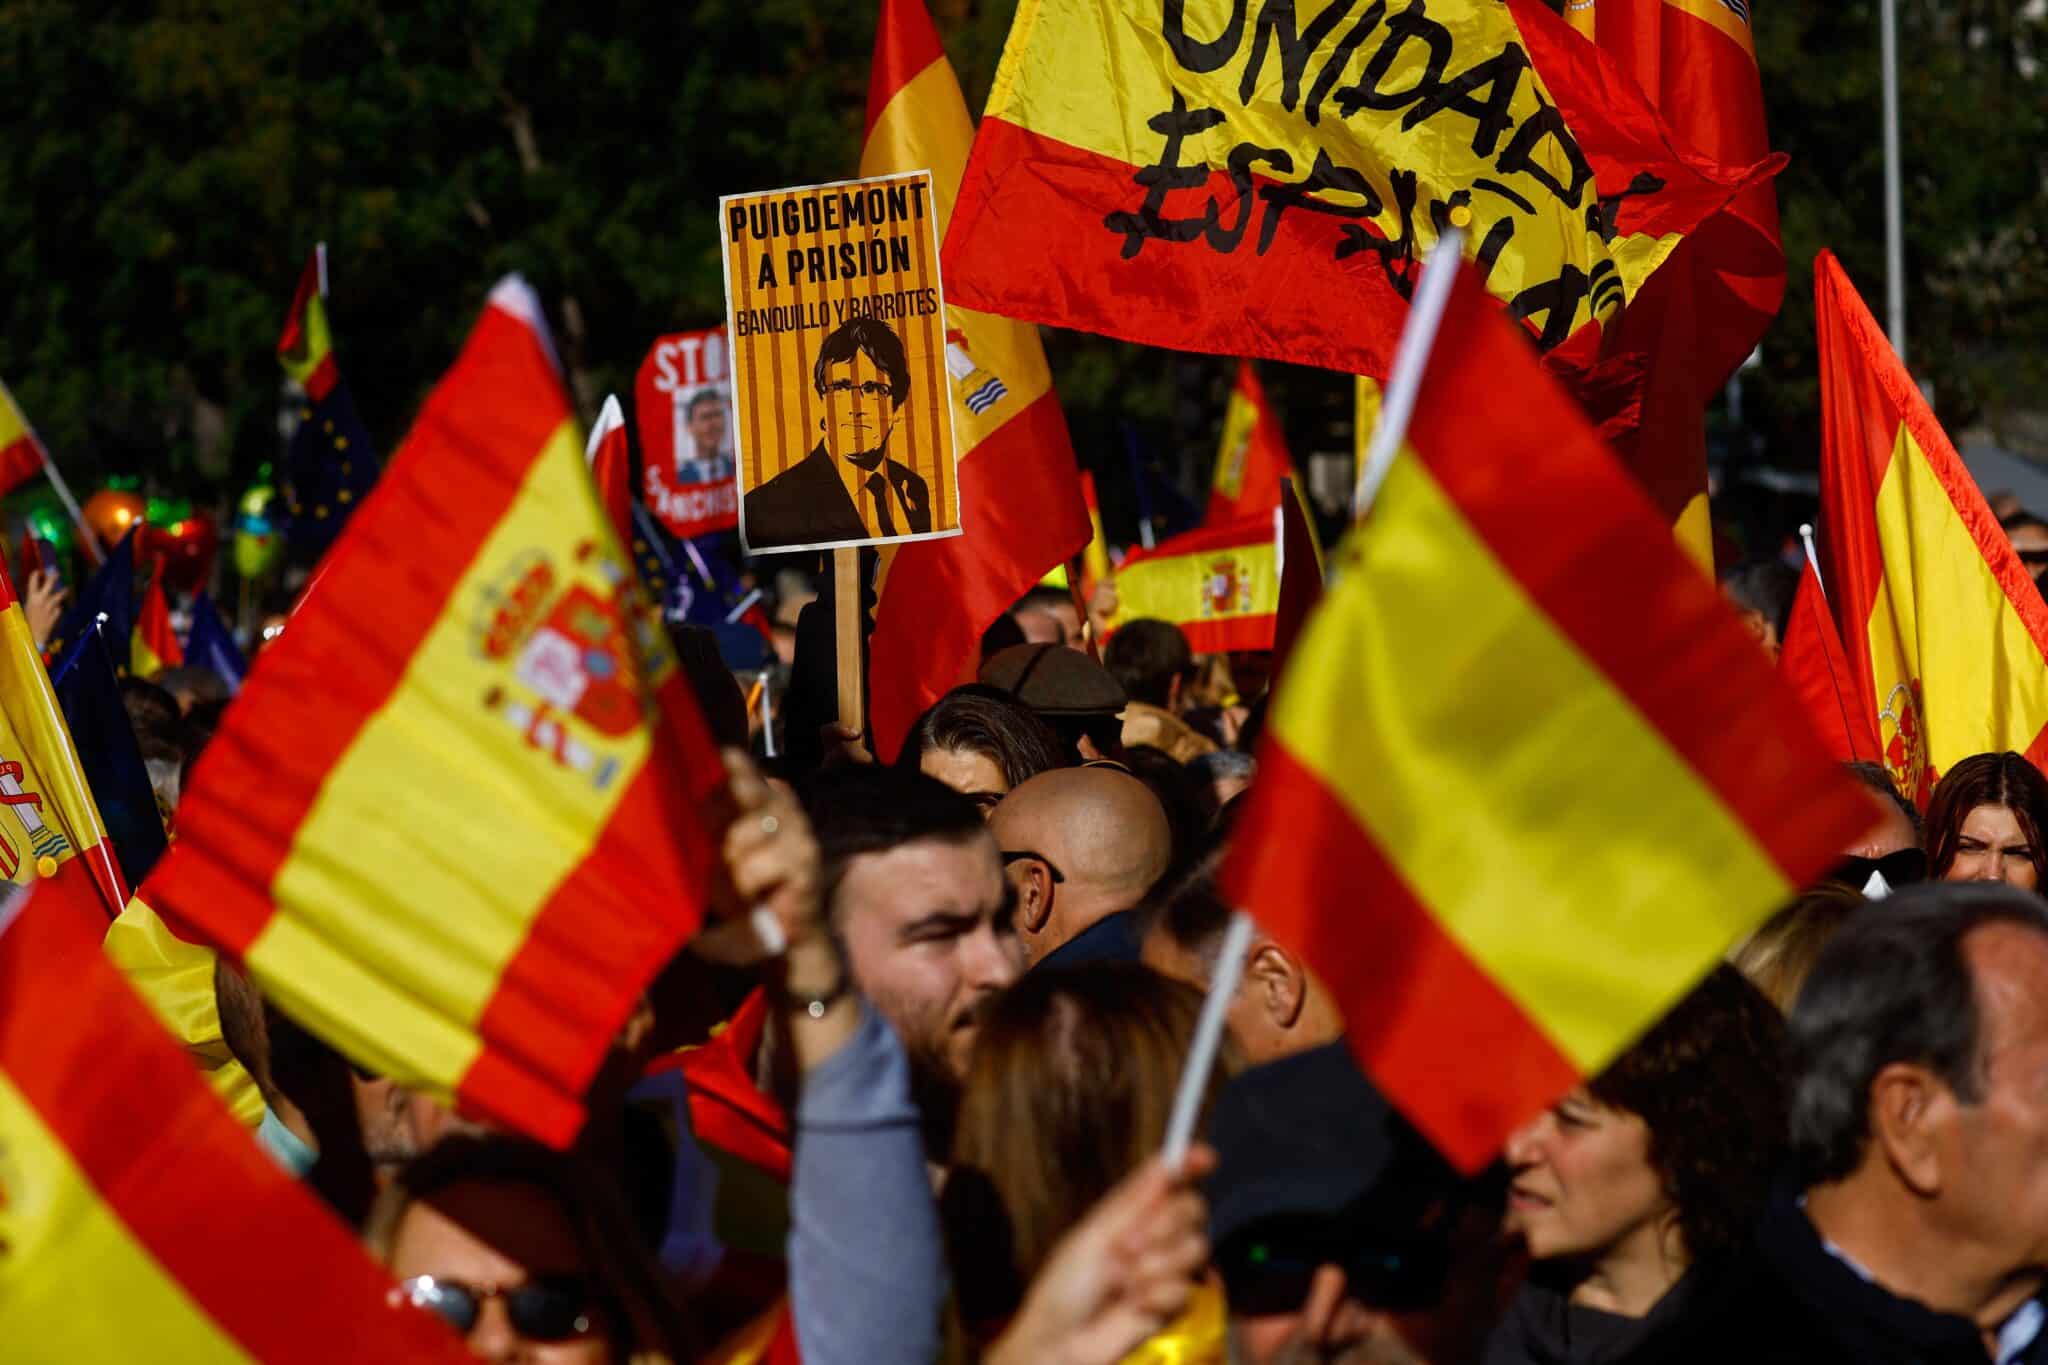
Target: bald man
(1082,846)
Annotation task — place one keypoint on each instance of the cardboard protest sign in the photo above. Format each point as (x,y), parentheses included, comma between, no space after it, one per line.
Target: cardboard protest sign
(682,401)
(843,407)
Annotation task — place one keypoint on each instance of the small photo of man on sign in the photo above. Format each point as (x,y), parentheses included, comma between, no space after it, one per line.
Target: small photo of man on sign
(863,380)
(842,414)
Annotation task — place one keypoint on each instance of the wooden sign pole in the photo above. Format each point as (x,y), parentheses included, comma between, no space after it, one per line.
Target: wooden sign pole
(846,618)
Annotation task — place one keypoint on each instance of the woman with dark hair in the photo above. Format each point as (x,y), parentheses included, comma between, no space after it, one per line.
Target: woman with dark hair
(1985,823)
(979,742)
(1636,1195)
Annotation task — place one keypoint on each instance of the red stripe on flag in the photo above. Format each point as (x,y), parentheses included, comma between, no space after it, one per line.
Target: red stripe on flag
(20,461)
(905,44)
(252,1247)
(656,824)
(436,509)
(1323,886)
(1237,633)
(1520,461)
(1023,514)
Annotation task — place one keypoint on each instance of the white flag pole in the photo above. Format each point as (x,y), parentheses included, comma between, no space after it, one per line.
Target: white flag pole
(1411,357)
(1208,1039)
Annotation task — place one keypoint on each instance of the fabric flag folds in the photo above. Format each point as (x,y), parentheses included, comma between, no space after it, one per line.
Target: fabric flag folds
(210,644)
(1209,177)
(1251,459)
(21,454)
(89,693)
(154,646)
(1527,778)
(51,829)
(110,592)
(1816,668)
(1945,633)
(140,1222)
(1301,575)
(1095,564)
(611,466)
(1219,584)
(332,464)
(455,820)
(1020,494)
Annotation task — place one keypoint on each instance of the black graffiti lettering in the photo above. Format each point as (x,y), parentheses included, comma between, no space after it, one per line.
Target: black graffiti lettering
(1490,186)
(1605,215)
(1500,76)
(1165,176)
(1490,247)
(1324,175)
(1242,157)
(1275,28)
(1607,292)
(1410,24)
(1556,301)
(1341,58)
(1520,156)
(1397,256)
(1193,53)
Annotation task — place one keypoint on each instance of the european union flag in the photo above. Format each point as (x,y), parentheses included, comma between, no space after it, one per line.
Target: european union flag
(109,592)
(89,692)
(331,465)
(210,644)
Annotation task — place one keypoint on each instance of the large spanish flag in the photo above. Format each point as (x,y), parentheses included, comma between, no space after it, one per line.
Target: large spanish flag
(1252,458)
(455,820)
(1946,634)
(52,826)
(21,454)
(1019,488)
(138,1221)
(1209,177)
(1526,778)
(1219,584)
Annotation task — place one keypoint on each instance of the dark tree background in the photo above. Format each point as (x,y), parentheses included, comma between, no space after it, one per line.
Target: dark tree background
(169,165)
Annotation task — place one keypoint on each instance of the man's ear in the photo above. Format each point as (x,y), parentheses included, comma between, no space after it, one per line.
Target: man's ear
(1173,691)
(1034,895)
(1277,982)
(1912,1115)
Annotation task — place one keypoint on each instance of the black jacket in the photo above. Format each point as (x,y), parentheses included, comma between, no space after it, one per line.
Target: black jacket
(1113,938)
(806,504)
(1543,1327)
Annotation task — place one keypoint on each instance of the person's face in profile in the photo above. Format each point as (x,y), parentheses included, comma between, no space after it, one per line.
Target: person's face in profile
(858,413)
(707,428)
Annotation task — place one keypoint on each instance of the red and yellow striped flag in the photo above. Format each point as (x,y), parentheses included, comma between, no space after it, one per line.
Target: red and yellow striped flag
(1219,584)
(1252,458)
(1019,487)
(138,1221)
(455,820)
(21,454)
(1095,565)
(51,827)
(1946,635)
(155,646)
(1526,778)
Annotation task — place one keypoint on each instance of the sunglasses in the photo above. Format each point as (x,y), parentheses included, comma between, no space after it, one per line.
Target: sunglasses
(551,1308)
(1901,867)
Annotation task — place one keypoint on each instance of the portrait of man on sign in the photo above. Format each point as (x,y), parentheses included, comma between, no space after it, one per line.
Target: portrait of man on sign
(847,488)
(709,458)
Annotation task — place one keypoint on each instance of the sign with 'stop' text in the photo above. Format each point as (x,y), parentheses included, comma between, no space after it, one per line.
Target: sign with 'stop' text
(842,405)
(682,401)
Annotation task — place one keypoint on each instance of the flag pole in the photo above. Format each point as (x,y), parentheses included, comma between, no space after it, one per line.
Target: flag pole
(1411,358)
(1894,208)
(86,537)
(1194,1073)
(1812,559)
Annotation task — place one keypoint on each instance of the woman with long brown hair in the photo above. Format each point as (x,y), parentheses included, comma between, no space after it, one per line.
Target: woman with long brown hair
(1985,823)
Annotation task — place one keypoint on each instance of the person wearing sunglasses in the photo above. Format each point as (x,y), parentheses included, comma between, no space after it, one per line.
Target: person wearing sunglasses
(526,1255)
(1637,1196)
(1892,848)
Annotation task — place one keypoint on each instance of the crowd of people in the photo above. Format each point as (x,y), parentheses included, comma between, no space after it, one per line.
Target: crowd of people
(930,1128)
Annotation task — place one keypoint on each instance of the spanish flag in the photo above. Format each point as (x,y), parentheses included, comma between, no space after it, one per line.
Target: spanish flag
(455,820)
(1816,668)
(1946,634)
(21,454)
(51,828)
(1251,459)
(1095,565)
(1203,177)
(1527,777)
(1219,584)
(173,976)
(138,1221)
(155,646)
(611,467)
(1019,487)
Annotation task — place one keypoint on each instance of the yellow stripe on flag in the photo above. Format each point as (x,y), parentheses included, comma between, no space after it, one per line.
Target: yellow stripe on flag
(1516,874)
(13,426)
(175,979)
(376,801)
(1972,633)
(74,1284)
(1189,589)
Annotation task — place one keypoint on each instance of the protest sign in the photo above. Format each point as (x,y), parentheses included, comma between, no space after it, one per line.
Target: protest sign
(682,401)
(843,404)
